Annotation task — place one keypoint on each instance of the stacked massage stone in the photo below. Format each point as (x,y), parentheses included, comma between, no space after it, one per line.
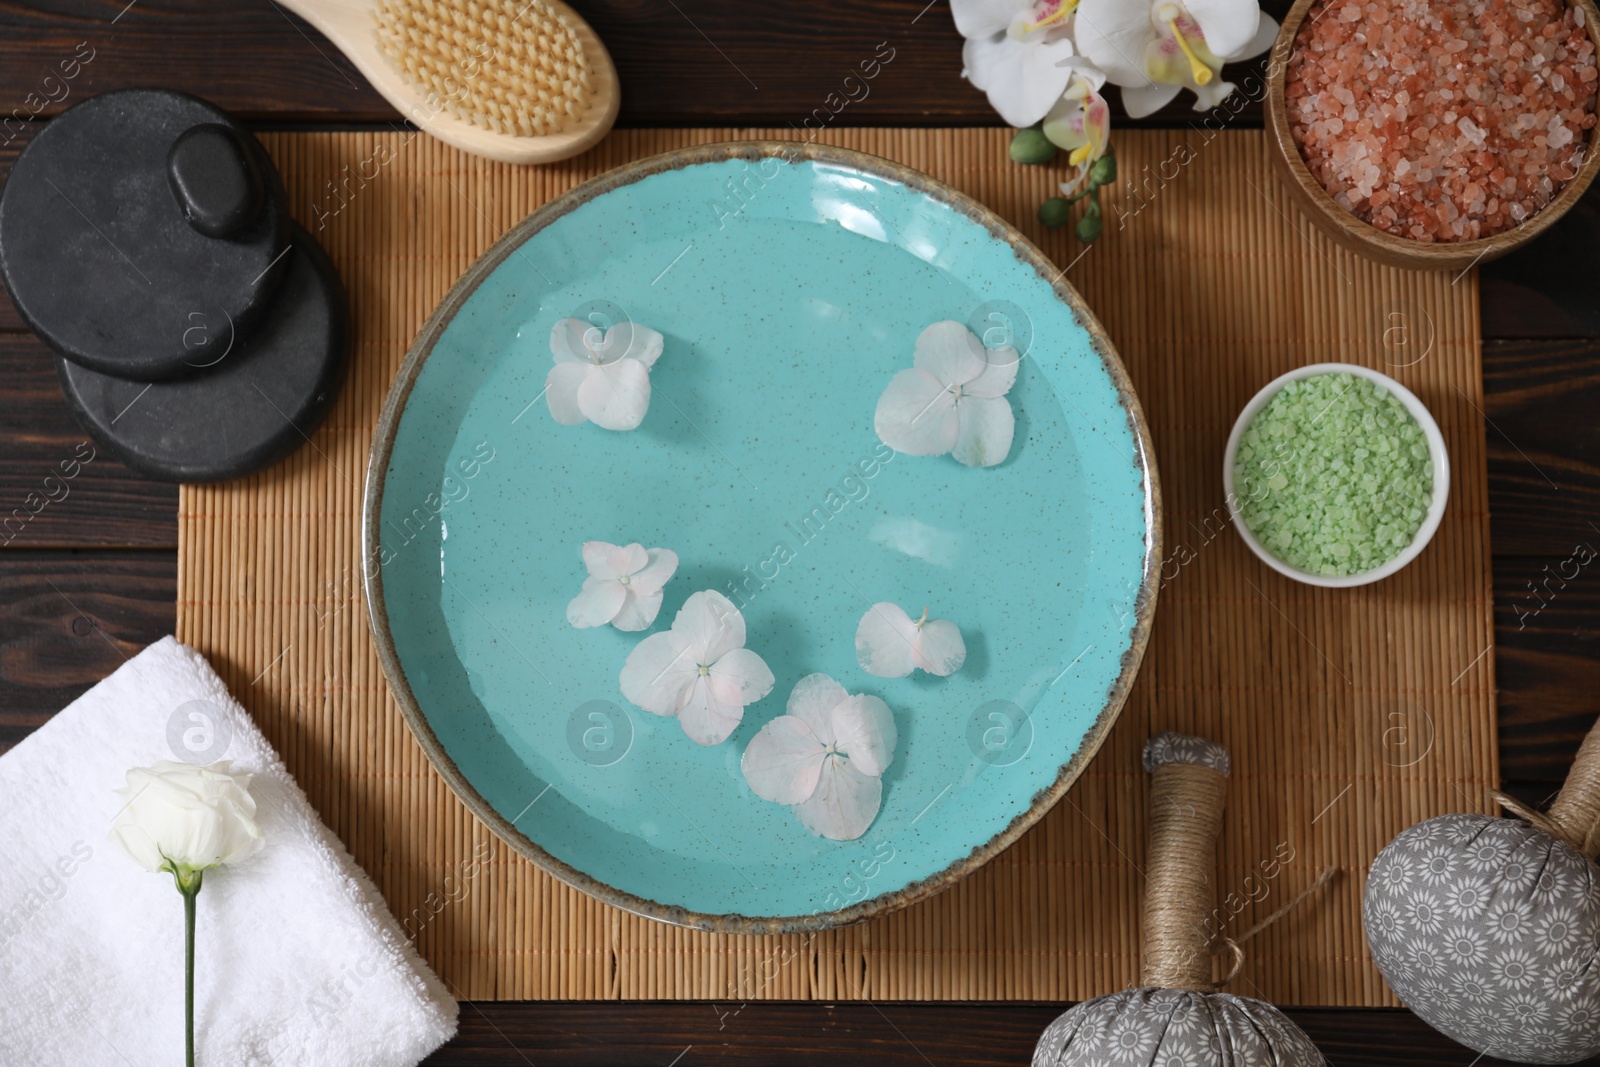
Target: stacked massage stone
(199,333)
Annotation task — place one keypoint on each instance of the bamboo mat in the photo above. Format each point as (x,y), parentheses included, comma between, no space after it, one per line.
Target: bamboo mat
(1350,713)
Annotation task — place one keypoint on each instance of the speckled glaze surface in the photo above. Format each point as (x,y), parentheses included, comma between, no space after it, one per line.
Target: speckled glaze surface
(790,283)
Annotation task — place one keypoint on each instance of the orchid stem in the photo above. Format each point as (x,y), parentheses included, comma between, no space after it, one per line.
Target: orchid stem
(190,888)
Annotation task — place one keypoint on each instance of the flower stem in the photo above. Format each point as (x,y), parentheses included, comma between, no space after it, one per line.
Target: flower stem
(189,886)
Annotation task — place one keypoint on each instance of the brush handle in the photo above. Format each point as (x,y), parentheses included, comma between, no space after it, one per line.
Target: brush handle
(351,25)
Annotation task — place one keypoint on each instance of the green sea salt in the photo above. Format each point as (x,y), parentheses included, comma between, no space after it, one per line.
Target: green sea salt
(1334,475)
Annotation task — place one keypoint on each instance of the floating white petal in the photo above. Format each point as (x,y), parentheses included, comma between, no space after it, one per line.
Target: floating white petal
(998,375)
(615,396)
(598,603)
(572,341)
(659,672)
(629,340)
(638,611)
(699,670)
(845,803)
(561,392)
(950,352)
(864,730)
(889,643)
(602,559)
(711,624)
(886,639)
(741,677)
(953,399)
(623,587)
(812,701)
(783,761)
(601,376)
(940,649)
(825,757)
(917,415)
(660,564)
(986,429)
(706,716)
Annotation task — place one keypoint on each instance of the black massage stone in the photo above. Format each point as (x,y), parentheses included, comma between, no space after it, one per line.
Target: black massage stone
(258,397)
(132,217)
(215,181)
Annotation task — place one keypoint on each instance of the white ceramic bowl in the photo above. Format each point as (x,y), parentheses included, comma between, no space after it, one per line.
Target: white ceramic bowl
(1441,476)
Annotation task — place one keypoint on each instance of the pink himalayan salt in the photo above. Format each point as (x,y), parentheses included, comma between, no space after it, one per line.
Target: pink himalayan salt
(1445,120)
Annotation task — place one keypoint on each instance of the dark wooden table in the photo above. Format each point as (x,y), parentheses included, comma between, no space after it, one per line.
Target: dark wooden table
(88,566)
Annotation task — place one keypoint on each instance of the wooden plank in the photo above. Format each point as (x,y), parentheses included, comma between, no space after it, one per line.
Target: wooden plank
(1547,648)
(68,619)
(57,488)
(761,1034)
(1544,445)
(1549,288)
(681,64)
(10,144)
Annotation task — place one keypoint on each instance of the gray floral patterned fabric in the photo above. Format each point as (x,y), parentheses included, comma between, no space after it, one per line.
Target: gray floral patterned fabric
(1174,1028)
(1173,747)
(1488,928)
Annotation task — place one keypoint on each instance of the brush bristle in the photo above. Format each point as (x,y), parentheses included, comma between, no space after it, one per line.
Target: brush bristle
(513,66)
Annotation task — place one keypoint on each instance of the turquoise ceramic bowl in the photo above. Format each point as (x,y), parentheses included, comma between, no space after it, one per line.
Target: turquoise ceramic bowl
(790,284)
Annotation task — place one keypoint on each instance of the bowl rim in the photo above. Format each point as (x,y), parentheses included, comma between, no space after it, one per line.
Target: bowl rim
(433,329)
(1436,450)
(1346,227)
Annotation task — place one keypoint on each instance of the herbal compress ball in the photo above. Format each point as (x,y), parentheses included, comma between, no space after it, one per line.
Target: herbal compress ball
(1176,1026)
(1488,928)
(1176,1018)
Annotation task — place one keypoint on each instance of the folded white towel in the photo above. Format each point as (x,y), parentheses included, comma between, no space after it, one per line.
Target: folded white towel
(298,963)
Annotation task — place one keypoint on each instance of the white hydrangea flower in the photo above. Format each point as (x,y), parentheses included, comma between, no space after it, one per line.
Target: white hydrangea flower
(623,587)
(601,377)
(825,757)
(699,670)
(952,400)
(890,643)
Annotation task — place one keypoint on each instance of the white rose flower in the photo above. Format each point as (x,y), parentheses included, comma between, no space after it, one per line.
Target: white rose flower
(183,818)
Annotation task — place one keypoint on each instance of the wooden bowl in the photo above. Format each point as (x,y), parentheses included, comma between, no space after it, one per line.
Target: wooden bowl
(1367,240)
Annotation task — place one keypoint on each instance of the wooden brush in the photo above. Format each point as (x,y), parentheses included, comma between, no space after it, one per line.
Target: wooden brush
(524,81)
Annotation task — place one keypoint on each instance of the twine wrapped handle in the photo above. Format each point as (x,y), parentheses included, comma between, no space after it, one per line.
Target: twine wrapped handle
(1189,785)
(1575,815)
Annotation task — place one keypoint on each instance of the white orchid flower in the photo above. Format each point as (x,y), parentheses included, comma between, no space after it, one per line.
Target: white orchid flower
(825,757)
(952,400)
(601,377)
(1013,53)
(699,670)
(623,587)
(1154,48)
(1080,122)
(890,643)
